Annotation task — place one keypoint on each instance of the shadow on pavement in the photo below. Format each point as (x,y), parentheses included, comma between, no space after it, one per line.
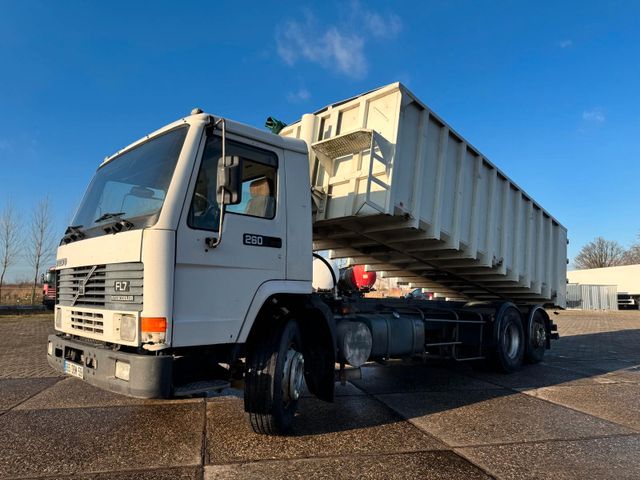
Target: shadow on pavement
(415,390)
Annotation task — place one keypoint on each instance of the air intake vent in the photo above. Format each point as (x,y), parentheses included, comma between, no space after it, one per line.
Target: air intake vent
(87,322)
(94,286)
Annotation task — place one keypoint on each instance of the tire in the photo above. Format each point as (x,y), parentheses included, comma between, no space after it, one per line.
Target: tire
(536,341)
(269,401)
(509,352)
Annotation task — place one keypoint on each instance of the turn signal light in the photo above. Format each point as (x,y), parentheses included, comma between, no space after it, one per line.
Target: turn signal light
(153,324)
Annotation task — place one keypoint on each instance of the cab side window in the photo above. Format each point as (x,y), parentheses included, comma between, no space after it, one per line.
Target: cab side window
(258,190)
(259,183)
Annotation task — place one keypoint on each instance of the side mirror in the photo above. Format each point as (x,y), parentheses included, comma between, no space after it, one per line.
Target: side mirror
(229,181)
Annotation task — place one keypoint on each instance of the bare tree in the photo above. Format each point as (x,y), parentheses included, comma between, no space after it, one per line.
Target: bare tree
(9,241)
(41,247)
(600,253)
(632,256)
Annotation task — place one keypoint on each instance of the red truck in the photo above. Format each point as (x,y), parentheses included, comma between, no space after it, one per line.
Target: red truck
(49,288)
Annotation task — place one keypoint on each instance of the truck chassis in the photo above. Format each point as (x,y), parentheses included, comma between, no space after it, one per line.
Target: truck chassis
(318,339)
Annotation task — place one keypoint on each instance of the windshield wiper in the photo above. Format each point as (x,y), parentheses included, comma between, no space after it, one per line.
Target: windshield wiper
(108,215)
(119,225)
(72,233)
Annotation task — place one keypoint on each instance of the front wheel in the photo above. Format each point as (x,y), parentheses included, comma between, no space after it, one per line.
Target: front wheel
(274,377)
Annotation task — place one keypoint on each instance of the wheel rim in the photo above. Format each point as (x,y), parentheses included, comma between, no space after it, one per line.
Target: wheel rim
(539,335)
(511,341)
(292,376)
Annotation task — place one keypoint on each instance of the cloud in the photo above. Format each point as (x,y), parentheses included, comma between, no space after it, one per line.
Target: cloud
(300,95)
(332,48)
(382,27)
(565,43)
(339,47)
(595,115)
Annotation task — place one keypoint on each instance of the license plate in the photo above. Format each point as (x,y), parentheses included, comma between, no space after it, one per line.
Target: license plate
(73,369)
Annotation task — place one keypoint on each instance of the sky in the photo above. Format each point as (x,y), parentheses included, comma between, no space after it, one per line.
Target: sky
(548,91)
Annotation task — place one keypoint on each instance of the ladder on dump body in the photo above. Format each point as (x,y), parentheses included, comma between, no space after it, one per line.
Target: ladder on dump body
(356,142)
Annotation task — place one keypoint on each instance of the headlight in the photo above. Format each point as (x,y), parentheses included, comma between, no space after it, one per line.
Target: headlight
(58,318)
(128,328)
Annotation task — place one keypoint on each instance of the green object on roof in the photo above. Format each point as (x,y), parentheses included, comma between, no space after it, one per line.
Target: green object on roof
(274,125)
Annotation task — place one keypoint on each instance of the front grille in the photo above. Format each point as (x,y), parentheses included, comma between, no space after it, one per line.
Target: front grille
(87,322)
(94,286)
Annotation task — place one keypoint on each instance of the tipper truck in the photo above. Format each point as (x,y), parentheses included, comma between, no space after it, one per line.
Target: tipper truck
(190,259)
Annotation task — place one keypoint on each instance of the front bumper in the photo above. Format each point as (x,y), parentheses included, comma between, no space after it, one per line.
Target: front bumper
(149,375)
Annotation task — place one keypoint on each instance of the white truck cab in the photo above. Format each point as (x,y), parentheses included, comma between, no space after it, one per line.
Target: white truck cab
(137,269)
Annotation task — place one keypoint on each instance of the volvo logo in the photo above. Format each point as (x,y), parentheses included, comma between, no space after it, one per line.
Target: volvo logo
(83,284)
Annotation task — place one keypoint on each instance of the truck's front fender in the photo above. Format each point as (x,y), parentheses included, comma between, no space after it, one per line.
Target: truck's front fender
(265,291)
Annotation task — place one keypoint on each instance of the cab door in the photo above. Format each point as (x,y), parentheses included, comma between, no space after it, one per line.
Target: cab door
(214,286)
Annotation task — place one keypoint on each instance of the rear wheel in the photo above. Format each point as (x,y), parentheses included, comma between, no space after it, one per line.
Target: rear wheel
(509,352)
(274,377)
(536,338)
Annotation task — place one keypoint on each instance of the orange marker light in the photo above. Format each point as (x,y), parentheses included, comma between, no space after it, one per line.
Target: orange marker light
(153,324)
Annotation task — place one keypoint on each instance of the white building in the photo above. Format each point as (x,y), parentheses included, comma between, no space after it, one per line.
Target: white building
(626,278)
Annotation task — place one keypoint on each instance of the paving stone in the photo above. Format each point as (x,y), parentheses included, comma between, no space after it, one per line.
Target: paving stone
(425,465)
(190,473)
(593,366)
(23,352)
(358,436)
(542,375)
(416,378)
(589,367)
(340,390)
(597,337)
(74,393)
(593,459)
(494,416)
(70,441)
(628,375)
(16,390)
(237,390)
(351,425)
(26,362)
(25,331)
(618,402)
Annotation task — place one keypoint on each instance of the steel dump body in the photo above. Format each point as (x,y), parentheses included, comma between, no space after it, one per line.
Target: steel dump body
(426,207)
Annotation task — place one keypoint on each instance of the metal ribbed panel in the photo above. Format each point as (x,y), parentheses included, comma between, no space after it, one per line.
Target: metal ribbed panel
(592,297)
(425,206)
(99,283)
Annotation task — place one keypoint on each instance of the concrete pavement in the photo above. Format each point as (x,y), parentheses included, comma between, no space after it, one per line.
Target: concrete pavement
(577,415)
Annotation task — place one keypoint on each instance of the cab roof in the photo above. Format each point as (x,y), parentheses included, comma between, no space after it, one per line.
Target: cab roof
(233,127)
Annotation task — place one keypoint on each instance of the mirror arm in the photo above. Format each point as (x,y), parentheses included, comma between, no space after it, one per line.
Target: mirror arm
(210,241)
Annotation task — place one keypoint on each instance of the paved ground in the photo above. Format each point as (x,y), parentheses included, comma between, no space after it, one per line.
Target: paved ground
(575,416)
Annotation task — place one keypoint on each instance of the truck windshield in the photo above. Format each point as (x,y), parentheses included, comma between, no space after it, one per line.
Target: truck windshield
(133,185)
